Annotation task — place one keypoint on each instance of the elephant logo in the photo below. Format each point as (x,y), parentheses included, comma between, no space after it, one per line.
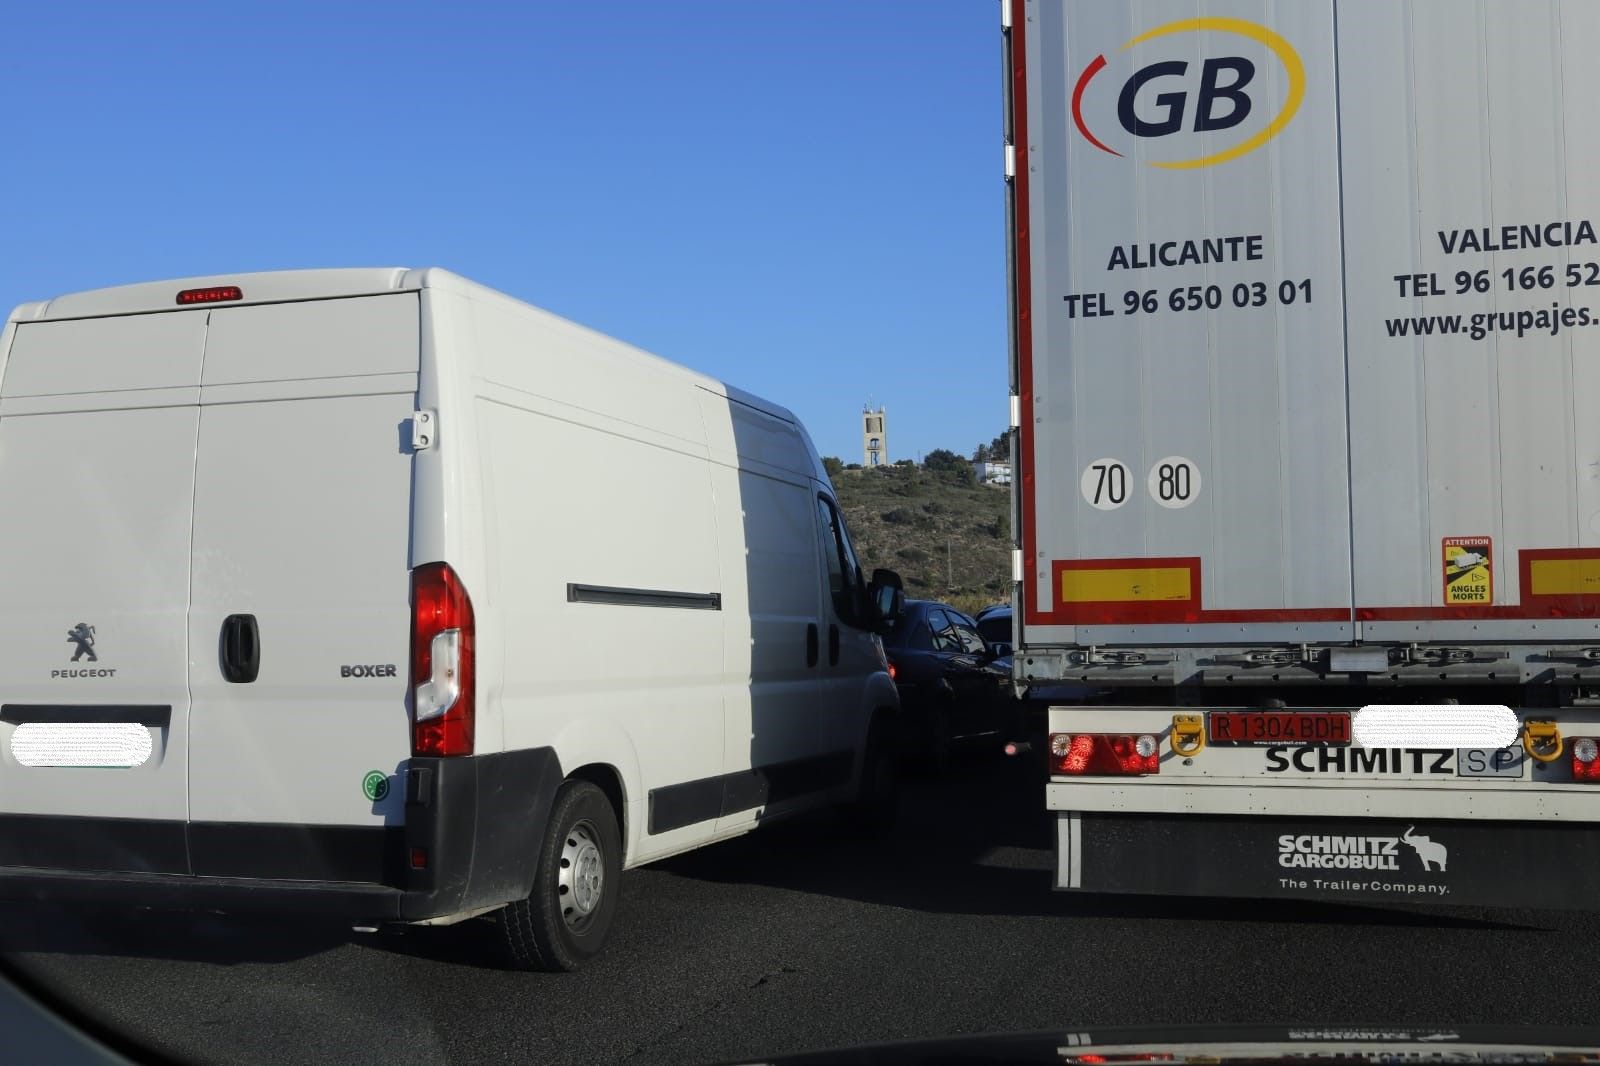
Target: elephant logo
(1429,851)
(82,635)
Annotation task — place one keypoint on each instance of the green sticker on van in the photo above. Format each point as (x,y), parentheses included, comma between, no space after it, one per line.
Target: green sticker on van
(375,785)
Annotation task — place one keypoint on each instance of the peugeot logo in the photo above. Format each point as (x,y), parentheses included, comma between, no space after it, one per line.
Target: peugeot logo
(82,635)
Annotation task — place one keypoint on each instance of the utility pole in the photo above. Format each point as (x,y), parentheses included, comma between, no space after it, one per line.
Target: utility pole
(949,569)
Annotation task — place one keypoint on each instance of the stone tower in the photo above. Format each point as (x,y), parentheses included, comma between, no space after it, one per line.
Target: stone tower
(874,437)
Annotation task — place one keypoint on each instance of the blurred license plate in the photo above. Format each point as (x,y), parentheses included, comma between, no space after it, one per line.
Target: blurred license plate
(1279,727)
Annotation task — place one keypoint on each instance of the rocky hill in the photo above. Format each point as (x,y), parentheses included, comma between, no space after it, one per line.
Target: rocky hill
(948,537)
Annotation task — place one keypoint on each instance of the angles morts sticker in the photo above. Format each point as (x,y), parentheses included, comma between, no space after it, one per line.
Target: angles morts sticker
(1468,573)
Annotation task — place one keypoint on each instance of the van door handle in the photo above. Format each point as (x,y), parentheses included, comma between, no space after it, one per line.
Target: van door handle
(241,648)
(833,644)
(811,644)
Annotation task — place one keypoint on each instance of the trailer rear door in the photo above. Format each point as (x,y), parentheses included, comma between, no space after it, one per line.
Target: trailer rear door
(1304,330)
(1183,447)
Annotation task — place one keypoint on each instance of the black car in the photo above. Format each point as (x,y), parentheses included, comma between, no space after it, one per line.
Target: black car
(994,625)
(952,689)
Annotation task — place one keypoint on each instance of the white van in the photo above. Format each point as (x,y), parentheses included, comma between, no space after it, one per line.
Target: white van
(378,593)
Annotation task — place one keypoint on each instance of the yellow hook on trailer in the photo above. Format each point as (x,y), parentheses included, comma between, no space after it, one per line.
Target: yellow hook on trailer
(1537,735)
(1188,734)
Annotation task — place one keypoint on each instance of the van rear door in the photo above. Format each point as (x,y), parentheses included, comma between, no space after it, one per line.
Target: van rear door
(97,447)
(302,527)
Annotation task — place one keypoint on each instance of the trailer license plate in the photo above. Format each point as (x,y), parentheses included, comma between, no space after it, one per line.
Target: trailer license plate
(1279,727)
(1489,762)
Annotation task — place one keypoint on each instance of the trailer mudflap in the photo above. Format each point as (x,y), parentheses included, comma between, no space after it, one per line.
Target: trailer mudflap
(1552,865)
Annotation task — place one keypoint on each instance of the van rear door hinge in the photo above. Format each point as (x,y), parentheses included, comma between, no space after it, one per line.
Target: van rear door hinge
(424,429)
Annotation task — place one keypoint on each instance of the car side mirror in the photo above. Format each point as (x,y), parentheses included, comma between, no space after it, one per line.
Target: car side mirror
(888,597)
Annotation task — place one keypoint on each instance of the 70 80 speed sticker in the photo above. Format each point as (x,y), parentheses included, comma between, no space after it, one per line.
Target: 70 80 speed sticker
(1173,482)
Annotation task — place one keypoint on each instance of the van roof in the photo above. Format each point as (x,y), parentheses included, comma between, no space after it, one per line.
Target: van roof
(269,287)
(281,286)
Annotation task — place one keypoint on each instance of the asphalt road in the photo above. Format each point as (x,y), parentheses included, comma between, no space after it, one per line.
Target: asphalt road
(798,939)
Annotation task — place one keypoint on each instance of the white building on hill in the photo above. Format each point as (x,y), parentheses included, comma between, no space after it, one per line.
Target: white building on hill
(992,473)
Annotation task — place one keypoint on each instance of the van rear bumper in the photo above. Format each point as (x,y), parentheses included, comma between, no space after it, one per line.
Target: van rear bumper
(471,836)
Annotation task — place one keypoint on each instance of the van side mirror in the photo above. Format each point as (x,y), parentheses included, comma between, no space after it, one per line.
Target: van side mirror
(888,597)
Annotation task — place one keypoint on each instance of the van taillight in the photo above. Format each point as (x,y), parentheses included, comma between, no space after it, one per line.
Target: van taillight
(441,662)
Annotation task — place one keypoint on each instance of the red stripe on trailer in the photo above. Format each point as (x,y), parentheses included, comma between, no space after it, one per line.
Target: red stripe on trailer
(1188,610)
(1023,270)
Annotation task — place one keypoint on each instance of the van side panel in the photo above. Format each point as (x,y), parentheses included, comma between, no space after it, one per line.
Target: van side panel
(595,562)
(601,567)
(766,522)
(535,352)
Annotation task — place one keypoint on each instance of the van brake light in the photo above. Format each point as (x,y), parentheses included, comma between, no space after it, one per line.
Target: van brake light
(442,662)
(1099,754)
(217,294)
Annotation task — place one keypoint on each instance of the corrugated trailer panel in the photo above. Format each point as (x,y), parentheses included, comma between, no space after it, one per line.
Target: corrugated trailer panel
(1471,435)
(1126,385)
(1235,218)
(1580,31)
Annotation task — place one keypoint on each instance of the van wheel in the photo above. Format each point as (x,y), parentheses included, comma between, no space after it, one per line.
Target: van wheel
(877,804)
(567,916)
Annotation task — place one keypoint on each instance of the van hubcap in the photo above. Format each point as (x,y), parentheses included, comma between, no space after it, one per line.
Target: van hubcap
(582,880)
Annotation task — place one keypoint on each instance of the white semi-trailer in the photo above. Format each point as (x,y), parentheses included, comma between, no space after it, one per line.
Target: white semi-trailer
(1304,381)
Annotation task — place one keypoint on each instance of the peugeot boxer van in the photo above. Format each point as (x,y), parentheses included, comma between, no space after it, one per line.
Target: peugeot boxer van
(379,594)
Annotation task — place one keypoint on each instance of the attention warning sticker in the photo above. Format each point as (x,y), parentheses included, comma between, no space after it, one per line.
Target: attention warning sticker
(1468,576)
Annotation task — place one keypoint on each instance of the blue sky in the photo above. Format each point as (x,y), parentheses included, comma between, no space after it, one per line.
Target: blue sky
(802,197)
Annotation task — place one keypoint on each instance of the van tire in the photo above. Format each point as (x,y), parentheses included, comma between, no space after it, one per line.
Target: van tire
(547,930)
(877,804)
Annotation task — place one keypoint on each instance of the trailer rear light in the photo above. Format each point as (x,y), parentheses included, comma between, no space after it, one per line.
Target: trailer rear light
(441,662)
(1085,754)
(1585,759)
(217,294)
